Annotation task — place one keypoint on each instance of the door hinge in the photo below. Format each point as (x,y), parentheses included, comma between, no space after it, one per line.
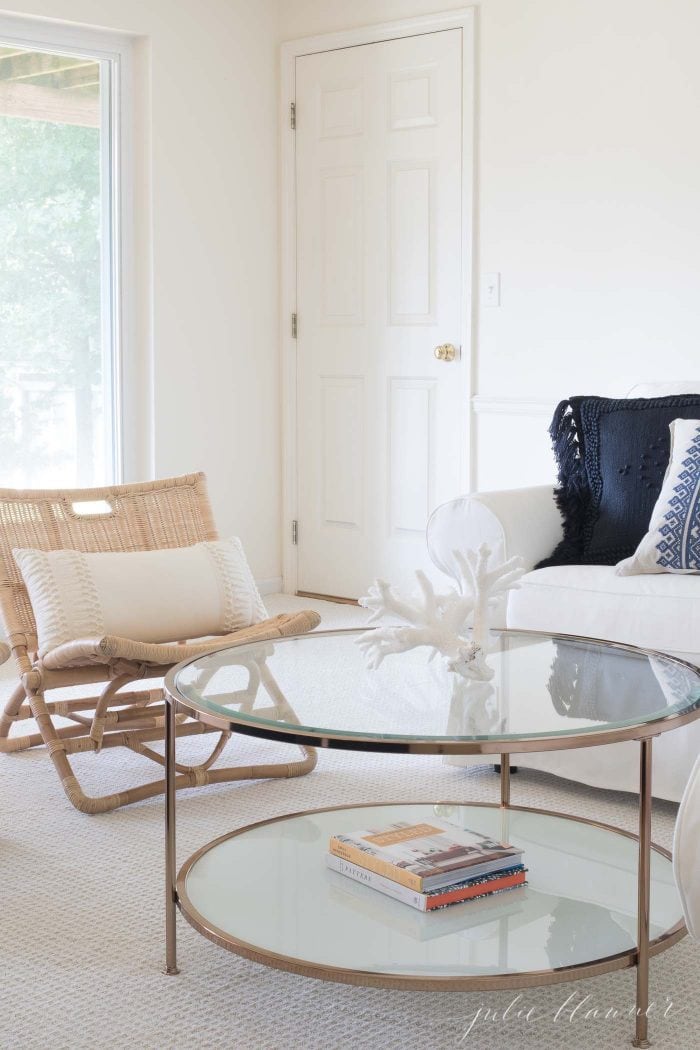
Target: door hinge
(295,532)
(294,326)
(293,115)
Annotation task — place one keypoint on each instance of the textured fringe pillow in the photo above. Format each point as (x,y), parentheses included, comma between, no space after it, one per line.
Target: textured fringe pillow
(611,456)
(147,596)
(672,543)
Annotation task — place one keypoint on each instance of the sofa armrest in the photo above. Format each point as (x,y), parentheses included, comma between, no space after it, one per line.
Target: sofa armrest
(513,521)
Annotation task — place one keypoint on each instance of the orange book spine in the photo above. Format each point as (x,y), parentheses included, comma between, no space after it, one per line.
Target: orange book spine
(439,900)
(358,856)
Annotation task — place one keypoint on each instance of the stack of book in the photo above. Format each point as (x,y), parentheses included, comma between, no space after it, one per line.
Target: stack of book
(427,865)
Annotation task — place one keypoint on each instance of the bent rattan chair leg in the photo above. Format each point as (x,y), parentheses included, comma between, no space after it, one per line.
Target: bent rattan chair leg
(10,715)
(195,777)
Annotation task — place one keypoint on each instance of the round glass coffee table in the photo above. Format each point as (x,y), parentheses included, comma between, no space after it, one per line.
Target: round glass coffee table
(598,898)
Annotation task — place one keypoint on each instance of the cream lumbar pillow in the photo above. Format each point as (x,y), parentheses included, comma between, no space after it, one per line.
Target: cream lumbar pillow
(672,543)
(147,596)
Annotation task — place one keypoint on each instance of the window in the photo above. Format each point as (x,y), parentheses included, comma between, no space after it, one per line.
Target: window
(58,333)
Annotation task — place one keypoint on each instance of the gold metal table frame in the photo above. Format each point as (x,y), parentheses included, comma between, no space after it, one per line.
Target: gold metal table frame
(175,895)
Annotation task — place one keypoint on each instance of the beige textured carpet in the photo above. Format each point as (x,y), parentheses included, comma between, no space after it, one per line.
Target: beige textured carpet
(82,926)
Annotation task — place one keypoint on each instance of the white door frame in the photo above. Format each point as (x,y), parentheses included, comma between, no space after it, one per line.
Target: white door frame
(463,19)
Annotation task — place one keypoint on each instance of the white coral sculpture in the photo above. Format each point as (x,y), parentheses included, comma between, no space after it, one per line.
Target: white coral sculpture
(440,621)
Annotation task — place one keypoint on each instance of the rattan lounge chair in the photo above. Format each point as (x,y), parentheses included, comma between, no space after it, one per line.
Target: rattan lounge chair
(151,516)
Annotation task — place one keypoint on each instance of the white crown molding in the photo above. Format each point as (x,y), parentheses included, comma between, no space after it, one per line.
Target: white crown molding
(511,406)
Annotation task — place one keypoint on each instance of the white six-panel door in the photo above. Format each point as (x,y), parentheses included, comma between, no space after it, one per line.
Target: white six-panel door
(380,283)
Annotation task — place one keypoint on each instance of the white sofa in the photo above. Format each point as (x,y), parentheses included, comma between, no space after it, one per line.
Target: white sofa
(659,612)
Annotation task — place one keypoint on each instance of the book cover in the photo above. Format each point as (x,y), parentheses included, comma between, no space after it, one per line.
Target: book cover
(473,920)
(424,856)
(470,889)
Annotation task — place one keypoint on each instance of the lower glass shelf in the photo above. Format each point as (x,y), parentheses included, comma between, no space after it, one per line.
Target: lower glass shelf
(265,893)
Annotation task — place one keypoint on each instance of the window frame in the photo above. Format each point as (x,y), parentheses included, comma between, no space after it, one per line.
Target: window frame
(114,52)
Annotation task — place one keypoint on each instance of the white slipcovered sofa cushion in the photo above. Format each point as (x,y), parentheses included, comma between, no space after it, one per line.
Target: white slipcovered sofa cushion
(654,612)
(147,596)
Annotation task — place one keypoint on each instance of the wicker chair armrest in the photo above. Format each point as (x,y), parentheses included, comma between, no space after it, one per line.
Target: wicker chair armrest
(85,652)
(5,652)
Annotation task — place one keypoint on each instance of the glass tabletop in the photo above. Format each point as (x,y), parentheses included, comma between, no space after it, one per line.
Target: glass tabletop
(268,887)
(546,692)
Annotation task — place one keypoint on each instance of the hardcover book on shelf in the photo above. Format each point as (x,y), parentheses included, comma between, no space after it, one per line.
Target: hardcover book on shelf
(456,893)
(476,919)
(426,856)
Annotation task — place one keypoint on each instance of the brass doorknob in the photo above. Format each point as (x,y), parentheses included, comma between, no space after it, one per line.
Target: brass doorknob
(446,352)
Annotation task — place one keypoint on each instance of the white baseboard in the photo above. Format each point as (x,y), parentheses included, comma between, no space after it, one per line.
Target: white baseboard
(273,586)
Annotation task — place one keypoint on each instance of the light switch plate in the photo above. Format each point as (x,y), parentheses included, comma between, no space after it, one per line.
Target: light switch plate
(491,289)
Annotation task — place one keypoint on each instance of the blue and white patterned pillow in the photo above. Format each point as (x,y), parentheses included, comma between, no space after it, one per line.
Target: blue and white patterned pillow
(672,543)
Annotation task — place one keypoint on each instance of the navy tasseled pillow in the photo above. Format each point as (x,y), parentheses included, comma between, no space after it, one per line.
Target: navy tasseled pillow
(611,457)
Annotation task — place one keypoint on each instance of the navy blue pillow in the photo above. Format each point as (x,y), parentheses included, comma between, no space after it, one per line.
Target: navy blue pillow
(611,457)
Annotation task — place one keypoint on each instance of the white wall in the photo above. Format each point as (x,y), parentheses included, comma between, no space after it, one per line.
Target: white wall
(588,204)
(206,117)
(588,201)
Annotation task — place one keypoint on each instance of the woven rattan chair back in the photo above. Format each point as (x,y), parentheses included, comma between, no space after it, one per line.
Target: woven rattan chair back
(174,512)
